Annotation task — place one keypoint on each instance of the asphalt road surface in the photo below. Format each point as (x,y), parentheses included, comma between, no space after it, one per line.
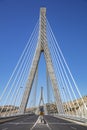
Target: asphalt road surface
(31,123)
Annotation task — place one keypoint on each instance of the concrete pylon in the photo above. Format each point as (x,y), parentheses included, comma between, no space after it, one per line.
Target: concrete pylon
(42,46)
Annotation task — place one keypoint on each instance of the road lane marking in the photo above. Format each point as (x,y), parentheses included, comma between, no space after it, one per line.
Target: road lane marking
(22,123)
(15,123)
(70,120)
(73,128)
(39,124)
(56,123)
(35,124)
(48,126)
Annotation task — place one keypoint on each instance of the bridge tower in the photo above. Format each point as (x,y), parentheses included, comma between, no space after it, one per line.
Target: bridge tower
(42,46)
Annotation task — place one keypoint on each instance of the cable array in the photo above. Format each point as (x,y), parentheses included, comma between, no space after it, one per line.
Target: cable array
(13,92)
(50,93)
(32,98)
(66,84)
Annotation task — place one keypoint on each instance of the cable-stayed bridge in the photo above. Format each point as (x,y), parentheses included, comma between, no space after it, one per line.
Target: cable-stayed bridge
(60,96)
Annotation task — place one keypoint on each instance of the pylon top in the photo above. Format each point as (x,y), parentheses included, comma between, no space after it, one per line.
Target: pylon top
(43,10)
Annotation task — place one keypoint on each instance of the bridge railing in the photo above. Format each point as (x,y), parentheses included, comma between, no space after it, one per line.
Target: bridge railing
(81,119)
(12,117)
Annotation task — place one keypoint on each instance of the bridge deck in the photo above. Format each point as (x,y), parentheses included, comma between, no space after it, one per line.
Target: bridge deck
(27,122)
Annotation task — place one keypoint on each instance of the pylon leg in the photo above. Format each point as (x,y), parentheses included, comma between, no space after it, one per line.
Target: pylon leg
(42,46)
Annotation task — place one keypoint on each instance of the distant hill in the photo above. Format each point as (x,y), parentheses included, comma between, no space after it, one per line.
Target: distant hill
(75,107)
(69,107)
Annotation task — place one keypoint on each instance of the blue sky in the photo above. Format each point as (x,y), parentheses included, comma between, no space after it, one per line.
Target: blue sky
(68,19)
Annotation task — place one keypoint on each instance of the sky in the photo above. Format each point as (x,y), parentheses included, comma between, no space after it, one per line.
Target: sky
(68,20)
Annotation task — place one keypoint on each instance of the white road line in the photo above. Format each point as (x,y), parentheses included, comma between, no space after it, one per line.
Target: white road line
(48,126)
(22,123)
(16,123)
(28,118)
(35,124)
(5,129)
(61,123)
(73,128)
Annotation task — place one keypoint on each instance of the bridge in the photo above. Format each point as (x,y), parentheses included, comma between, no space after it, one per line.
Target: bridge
(56,104)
